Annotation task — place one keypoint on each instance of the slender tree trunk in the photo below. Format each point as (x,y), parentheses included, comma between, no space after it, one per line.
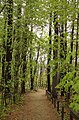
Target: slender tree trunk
(24,57)
(55,56)
(8,46)
(71,57)
(36,65)
(3,63)
(31,58)
(71,44)
(40,78)
(65,44)
(17,53)
(62,53)
(49,55)
(76,57)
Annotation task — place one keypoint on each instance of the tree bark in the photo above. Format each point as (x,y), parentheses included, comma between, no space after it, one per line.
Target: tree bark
(55,56)
(49,55)
(8,46)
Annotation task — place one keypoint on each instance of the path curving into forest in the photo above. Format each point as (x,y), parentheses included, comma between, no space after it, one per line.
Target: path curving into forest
(36,106)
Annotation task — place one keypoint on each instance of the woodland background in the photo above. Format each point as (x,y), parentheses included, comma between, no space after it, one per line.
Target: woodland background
(39,47)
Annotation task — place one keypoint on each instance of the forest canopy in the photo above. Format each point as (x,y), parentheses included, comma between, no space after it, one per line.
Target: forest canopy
(39,48)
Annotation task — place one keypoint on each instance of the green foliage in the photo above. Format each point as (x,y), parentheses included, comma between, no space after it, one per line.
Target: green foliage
(67,81)
(30,30)
(75,98)
(75,105)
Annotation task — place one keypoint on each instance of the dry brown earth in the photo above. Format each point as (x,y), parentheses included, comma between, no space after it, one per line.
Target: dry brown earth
(36,106)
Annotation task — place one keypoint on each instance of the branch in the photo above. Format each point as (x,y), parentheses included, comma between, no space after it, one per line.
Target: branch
(2,8)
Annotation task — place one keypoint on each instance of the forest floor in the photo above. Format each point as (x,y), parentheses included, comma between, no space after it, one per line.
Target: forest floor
(36,106)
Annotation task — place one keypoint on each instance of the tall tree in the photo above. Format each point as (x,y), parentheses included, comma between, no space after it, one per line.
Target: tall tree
(55,56)
(49,54)
(16,50)
(8,46)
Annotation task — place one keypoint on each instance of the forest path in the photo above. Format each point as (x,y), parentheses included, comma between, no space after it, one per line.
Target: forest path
(36,106)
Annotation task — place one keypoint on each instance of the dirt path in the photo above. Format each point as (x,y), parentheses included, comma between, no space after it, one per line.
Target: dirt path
(36,107)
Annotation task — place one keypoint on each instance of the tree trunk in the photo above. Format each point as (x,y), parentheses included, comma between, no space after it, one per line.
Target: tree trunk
(31,58)
(77,37)
(55,56)
(8,46)
(49,56)
(17,34)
